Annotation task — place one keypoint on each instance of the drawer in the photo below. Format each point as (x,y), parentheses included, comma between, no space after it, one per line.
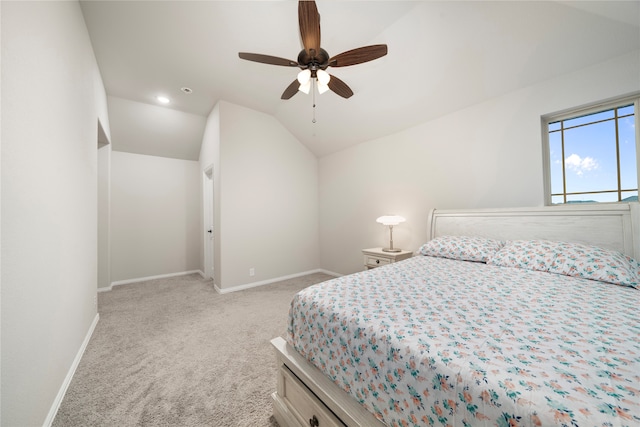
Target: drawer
(304,404)
(374,261)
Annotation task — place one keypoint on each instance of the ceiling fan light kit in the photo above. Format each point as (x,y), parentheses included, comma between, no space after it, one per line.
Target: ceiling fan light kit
(313,60)
(322,78)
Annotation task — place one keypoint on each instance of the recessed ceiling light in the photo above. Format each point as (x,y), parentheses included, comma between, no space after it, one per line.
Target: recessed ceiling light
(186,89)
(163,99)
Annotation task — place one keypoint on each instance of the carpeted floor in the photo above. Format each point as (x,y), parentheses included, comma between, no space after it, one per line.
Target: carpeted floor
(173,352)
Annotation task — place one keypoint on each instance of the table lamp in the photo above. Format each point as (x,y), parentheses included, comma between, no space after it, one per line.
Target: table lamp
(390,221)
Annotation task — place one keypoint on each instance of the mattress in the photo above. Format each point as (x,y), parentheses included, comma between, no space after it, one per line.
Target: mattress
(435,341)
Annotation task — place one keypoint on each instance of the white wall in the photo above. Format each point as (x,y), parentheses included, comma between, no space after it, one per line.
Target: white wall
(154,216)
(52,97)
(155,130)
(488,155)
(267,204)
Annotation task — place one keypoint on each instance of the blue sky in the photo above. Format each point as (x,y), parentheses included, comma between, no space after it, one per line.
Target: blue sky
(590,155)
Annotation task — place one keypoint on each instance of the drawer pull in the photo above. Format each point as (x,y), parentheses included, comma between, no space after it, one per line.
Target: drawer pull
(377,261)
(313,422)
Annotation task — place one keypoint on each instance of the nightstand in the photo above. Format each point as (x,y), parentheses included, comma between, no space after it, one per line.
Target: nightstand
(375,257)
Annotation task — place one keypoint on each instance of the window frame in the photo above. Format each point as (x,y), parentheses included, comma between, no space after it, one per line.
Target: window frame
(583,111)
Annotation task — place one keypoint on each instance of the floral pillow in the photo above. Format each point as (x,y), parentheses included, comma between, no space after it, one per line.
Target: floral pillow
(528,254)
(591,262)
(462,248)
(571,259)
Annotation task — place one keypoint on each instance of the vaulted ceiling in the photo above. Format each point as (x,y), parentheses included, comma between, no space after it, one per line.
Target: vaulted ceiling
(443,56)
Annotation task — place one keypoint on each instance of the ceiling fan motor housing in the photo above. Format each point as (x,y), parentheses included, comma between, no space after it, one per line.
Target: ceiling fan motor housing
(313,62)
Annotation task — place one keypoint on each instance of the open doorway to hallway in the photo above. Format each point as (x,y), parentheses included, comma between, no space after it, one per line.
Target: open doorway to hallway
(104,206)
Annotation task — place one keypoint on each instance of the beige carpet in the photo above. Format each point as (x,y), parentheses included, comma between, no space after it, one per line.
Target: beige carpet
(173,352)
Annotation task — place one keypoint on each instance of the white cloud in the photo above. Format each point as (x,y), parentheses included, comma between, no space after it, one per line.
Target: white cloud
(580,165)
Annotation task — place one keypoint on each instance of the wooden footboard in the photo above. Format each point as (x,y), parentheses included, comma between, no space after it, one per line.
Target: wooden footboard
(305,397)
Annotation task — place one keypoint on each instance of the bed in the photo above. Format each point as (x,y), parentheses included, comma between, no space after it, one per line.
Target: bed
(504,317)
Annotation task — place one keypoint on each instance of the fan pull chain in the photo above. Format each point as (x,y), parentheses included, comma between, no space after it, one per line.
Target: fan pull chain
(313,95)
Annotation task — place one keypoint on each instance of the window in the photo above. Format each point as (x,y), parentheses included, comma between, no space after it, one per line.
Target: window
(592,154)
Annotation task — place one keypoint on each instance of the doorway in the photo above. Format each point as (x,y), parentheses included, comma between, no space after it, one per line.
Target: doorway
(208,221)
(104,172)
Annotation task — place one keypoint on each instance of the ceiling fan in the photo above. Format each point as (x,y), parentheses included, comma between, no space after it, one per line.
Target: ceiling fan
(313,60)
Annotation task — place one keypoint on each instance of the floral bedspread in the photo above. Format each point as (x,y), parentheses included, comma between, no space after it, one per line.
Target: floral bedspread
(433,341)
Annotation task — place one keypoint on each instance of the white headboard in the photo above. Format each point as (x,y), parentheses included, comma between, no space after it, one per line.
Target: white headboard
(615,226)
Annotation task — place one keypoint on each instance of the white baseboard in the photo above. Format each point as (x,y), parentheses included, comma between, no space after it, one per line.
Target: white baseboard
(269,281)
(330,273)
(72,370)
(143,279)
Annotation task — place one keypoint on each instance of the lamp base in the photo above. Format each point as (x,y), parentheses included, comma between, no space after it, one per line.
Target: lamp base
(391,250)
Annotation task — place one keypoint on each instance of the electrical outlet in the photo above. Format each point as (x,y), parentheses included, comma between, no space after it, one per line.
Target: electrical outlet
(252,272)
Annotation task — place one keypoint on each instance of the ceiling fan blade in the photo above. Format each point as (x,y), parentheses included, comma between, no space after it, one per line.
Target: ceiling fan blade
(291,90)
(309,20)
(340,87)
(267,59)
(359,55)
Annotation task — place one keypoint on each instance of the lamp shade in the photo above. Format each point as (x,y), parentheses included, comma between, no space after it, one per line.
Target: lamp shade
(390,219)
(322,88)
(323,77)
(305,87)
(304,76)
